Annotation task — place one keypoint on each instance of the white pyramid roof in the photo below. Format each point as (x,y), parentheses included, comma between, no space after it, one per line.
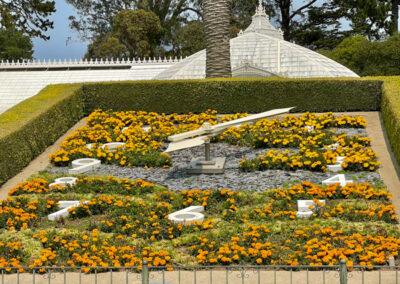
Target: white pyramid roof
(262,52)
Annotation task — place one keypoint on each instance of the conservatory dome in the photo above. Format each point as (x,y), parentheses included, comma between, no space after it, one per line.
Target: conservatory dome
(261,51)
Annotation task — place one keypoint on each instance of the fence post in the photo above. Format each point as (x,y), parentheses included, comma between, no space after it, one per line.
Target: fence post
(343,271)
(145,272)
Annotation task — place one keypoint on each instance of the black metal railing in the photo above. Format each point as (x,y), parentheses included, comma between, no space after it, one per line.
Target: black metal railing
(337,274)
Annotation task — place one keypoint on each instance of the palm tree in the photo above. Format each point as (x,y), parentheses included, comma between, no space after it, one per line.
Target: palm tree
(216,26)
(395,16)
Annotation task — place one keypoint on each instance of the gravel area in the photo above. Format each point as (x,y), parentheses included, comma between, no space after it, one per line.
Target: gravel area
(176,178)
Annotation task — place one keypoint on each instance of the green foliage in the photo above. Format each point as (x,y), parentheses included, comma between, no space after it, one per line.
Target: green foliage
(138,30)
(134,34)
(95,17)
(14,45)
(110,47)
(188,39)
(235,95)
(368,58)
(391,112)
(30,17)
(29,128)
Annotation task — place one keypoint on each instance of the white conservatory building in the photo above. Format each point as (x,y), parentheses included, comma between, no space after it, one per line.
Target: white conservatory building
(261,51)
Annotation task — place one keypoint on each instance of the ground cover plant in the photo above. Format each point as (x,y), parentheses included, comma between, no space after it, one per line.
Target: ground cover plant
(125,221)
(307,139)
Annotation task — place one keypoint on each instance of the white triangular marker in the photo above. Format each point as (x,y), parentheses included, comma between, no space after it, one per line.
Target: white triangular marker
(337,179)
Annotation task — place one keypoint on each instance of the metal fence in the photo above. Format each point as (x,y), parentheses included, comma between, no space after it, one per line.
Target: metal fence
(338,274)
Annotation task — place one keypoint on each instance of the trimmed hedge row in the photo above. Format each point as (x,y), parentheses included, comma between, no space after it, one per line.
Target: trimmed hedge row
(28,128)
(391,113)
(235,95)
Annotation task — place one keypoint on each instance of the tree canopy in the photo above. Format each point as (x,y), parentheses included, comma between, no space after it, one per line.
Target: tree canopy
(367,58)
(28,16)
(316,24)
(14,45)
(95,16)
(133,34)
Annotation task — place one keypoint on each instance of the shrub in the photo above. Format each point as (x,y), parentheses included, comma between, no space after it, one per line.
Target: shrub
(368,58)
(29,128)
(391,113)
(235,95)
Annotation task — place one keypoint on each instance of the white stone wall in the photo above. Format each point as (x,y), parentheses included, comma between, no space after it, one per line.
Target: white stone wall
(17,86)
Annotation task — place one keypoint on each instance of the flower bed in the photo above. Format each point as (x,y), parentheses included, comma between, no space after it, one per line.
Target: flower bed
(121,222)
(145,133)
(125,221)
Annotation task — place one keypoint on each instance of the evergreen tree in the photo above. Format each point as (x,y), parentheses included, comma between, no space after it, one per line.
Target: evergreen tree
(134,34)
(29,16)
(14,45)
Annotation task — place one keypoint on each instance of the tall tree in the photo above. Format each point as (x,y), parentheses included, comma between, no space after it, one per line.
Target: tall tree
(216,28)
(95,16)
(14,45)
(188,39)
(395,16)
(368,58)
(367,17)
(133,34)
(29,16)
(288,14)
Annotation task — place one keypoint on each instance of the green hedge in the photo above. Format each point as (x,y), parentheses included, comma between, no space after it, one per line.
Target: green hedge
(29,128)
(235,95)
(391,112)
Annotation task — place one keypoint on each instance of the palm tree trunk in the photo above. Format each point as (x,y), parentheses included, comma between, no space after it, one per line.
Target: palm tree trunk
(395,16)
(216,27)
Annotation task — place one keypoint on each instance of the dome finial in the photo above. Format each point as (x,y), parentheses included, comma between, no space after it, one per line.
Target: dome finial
(260,9)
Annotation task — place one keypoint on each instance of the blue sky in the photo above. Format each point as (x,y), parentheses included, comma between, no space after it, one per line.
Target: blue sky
(57,47)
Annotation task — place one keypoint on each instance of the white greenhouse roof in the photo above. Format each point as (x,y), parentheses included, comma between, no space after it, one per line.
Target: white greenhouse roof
(16,86)
(261,49)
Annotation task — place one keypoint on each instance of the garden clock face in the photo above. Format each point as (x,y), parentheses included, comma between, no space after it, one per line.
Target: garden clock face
(96,218)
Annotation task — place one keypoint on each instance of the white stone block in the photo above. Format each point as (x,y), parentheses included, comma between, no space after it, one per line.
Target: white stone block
(68,180)
(68,203)
(64,181)
(63,213)
(65,205)
(306,214)
(335,168)
(340,159)
(146,128)
(309,128)
(84,165)
(391,261)
(187,215)
(341,179)
(113,146)
(304,205)
(333,146)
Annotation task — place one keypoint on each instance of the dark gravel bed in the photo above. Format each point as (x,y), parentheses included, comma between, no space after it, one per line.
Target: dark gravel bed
(176,178)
